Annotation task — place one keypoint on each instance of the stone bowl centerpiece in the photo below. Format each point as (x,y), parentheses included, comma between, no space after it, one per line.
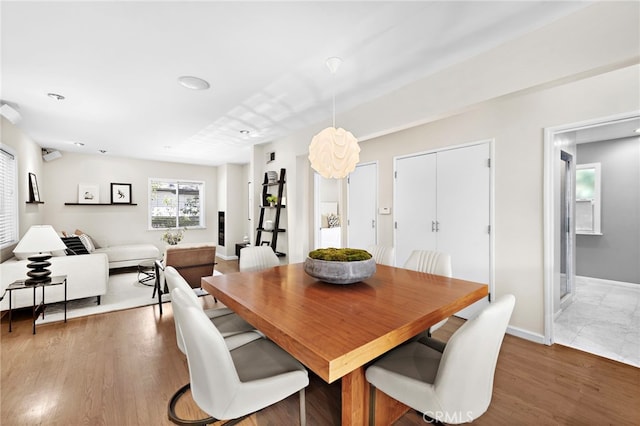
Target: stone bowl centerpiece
(340,265)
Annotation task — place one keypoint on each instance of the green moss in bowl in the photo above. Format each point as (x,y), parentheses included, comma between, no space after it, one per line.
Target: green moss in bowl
(340,254)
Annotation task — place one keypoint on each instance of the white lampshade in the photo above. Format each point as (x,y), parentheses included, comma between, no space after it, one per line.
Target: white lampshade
(334,153)
(38,239)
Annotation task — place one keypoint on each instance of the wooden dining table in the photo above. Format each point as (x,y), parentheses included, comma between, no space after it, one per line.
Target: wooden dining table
(336,330)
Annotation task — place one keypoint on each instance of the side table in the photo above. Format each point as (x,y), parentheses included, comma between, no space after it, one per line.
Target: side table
(240,246)
(146,268)
(37,309)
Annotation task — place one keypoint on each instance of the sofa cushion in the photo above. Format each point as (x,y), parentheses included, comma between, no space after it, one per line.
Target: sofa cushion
(86,241)
(130,252)
(74,245)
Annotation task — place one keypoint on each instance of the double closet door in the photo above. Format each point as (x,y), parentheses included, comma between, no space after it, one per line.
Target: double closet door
(443,202)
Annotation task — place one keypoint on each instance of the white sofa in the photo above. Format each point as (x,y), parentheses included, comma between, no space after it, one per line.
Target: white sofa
(87,276)
(127,255)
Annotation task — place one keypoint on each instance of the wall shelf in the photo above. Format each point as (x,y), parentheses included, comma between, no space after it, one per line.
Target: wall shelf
(34,202)
(99,204)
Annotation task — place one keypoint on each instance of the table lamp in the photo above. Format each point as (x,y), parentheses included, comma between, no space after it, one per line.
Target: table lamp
(41,239)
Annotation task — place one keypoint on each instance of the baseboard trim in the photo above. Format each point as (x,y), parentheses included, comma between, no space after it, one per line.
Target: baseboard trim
(525,334)
(610,282)
(224,257)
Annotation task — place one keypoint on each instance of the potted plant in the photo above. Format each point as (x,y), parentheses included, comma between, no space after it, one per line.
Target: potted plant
(173,237)
(340,265)
(272,200)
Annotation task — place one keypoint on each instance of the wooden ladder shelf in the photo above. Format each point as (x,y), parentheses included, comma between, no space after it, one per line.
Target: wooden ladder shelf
(266,185)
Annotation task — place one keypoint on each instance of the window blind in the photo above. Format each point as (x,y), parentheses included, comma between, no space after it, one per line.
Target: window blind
(8,198)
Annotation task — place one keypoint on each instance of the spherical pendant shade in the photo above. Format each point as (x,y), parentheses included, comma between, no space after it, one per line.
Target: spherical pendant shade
(334,153)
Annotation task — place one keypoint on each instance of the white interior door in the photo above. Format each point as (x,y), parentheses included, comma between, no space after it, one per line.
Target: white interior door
(414,205)
(362,200)
(463,200)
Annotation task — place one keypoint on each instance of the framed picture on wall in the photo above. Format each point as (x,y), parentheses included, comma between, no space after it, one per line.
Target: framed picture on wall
(88,193)
(120,193)
(34,192)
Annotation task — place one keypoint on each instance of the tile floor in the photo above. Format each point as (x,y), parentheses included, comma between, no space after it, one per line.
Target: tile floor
(603,319)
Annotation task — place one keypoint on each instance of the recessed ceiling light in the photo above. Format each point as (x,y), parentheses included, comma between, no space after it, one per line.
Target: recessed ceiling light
(193,83)
(102,151)
(638,130)
(245,131)
(78,144)
(55,96)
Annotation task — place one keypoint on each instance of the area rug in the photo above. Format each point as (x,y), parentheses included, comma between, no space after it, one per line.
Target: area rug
(123,292)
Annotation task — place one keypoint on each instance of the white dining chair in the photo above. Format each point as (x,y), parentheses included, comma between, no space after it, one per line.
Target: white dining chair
(383,255)
(452,382)
(232,382)
(257,258)
(226,321)
(431,262)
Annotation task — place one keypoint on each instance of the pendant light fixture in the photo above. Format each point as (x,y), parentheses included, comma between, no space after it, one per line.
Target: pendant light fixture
(333,152)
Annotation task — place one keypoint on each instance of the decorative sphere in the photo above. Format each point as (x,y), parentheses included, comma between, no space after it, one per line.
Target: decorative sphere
(334,153)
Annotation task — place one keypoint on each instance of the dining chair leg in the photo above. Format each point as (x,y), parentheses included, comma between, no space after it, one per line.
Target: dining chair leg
(171,412)
(372,405)
(303,409)
(180,421)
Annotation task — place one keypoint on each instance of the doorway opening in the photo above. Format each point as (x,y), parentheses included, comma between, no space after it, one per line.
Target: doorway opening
(592,291)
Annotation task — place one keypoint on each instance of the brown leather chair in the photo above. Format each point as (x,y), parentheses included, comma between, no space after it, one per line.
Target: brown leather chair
(192,261)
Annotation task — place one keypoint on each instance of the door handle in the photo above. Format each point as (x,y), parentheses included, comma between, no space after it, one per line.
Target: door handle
(373,223)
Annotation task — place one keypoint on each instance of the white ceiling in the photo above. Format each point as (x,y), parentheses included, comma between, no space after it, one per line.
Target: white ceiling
(117,65)
(618,129)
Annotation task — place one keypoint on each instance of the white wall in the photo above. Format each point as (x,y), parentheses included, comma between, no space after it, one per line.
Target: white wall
(517,126)
(120,224)
(29,161)
(232,199)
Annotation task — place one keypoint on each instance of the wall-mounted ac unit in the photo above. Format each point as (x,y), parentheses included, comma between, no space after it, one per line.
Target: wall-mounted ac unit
(10,113)
(50,154)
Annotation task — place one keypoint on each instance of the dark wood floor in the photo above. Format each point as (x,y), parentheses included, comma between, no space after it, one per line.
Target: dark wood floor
(121,369)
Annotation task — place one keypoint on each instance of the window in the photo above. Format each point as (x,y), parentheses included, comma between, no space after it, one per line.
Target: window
(176,204)
(9,198)
(588,199)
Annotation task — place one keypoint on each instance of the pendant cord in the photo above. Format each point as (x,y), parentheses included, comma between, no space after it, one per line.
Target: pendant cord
(333,78)
(333,63)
